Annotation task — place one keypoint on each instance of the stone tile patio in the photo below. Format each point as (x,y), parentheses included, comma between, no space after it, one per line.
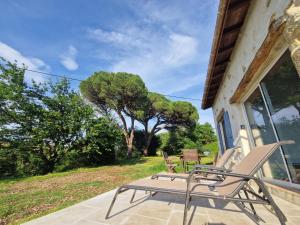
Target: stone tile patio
(162,209)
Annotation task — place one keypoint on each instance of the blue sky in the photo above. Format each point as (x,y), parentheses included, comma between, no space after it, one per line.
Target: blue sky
(166,42)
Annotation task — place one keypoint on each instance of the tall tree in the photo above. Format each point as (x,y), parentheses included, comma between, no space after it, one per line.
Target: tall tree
(165,114)
(58,122)
(123,93)
(43,121)
(12,87)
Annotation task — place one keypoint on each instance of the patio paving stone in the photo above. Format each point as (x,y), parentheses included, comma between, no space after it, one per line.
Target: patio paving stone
(162,209)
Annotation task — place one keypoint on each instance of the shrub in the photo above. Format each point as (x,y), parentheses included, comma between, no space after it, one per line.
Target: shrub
(7,162)
(139,143)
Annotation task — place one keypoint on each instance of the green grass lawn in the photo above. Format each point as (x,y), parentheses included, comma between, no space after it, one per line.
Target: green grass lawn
(26,198)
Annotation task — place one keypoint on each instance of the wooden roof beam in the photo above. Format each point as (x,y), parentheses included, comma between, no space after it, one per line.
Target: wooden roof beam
(215,85)
(237,4)
(231,46)
(212,90)
(210,97)
(223,62)
(233,28)
(218,75)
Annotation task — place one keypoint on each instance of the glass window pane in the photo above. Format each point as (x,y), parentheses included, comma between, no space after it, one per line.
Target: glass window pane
(263,133)
(281,88)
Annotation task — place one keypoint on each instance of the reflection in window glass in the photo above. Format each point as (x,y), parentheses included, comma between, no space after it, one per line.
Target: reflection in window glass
(262,133)
(281,89)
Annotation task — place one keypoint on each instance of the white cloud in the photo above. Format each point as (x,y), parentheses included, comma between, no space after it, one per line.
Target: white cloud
(13,55)
(128,38)
(181,50)
(68,59)
(168,45)
(188,82)
(106,36)
(159,63)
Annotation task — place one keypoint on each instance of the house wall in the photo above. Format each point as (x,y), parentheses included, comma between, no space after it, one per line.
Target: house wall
(252,35)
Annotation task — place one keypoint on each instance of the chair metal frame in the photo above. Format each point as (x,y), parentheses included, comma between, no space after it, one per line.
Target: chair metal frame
(262,196)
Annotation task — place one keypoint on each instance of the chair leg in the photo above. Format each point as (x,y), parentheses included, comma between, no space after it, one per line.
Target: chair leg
(251,205)
(243,204)
(190,204)
(186,206)
(112,203)
(281,217)
(132,197)
(153,194)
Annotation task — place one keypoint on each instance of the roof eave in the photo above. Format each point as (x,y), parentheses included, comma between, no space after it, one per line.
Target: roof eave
(222,11)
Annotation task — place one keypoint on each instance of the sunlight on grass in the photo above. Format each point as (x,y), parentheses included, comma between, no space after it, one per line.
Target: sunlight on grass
(23,199)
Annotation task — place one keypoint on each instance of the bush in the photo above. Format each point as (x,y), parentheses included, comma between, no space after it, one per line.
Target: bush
(103,144)
(139,143)
(175,140)
(28,163)
(7,162)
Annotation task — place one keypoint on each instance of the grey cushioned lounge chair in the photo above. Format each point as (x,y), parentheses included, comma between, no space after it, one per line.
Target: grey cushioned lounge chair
(228,190)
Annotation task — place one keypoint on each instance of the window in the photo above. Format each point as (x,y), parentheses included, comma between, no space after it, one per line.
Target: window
(273,112)
(225,132)
(262,134)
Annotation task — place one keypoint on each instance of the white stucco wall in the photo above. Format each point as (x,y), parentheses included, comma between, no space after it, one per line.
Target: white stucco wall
(251,37)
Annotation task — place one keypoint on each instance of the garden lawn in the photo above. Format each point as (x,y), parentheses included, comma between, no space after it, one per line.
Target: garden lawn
(24,199)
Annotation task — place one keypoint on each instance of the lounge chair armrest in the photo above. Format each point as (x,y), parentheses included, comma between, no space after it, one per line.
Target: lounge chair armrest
(242,176)
(224,173)
(210,167)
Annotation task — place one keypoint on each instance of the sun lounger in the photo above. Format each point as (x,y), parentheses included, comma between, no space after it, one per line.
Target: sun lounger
(228,190)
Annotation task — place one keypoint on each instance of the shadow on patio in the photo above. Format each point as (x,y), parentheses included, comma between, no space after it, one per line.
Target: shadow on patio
(164,209)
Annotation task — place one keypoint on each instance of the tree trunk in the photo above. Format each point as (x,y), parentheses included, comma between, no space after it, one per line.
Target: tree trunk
(130,144)
(129,140)
(146,148)
(149,136)
(148,143)
(50,166)
(129,134)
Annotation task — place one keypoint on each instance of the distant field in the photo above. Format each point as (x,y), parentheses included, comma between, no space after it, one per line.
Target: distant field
(26,198)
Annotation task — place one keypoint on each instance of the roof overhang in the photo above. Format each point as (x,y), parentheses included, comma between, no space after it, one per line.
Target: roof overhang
(230,19)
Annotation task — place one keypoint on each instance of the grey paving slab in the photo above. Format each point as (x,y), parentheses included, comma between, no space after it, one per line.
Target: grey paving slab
(162,209)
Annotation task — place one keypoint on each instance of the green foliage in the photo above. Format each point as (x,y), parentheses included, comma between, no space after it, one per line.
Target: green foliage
(203,134)
(7,162)
(186,138)
(172,142)
(24,199)
(213,148)
(47,126)
(51,125)
(102,143)
(139,143)
(166,115)
(122,93)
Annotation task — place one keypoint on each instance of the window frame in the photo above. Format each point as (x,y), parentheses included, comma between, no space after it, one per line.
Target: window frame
(257,84)
(224,138)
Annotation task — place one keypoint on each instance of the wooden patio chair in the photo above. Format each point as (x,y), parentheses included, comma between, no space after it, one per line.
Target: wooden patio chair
(169,164)
(190,155)
(219,166)
(227,190)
